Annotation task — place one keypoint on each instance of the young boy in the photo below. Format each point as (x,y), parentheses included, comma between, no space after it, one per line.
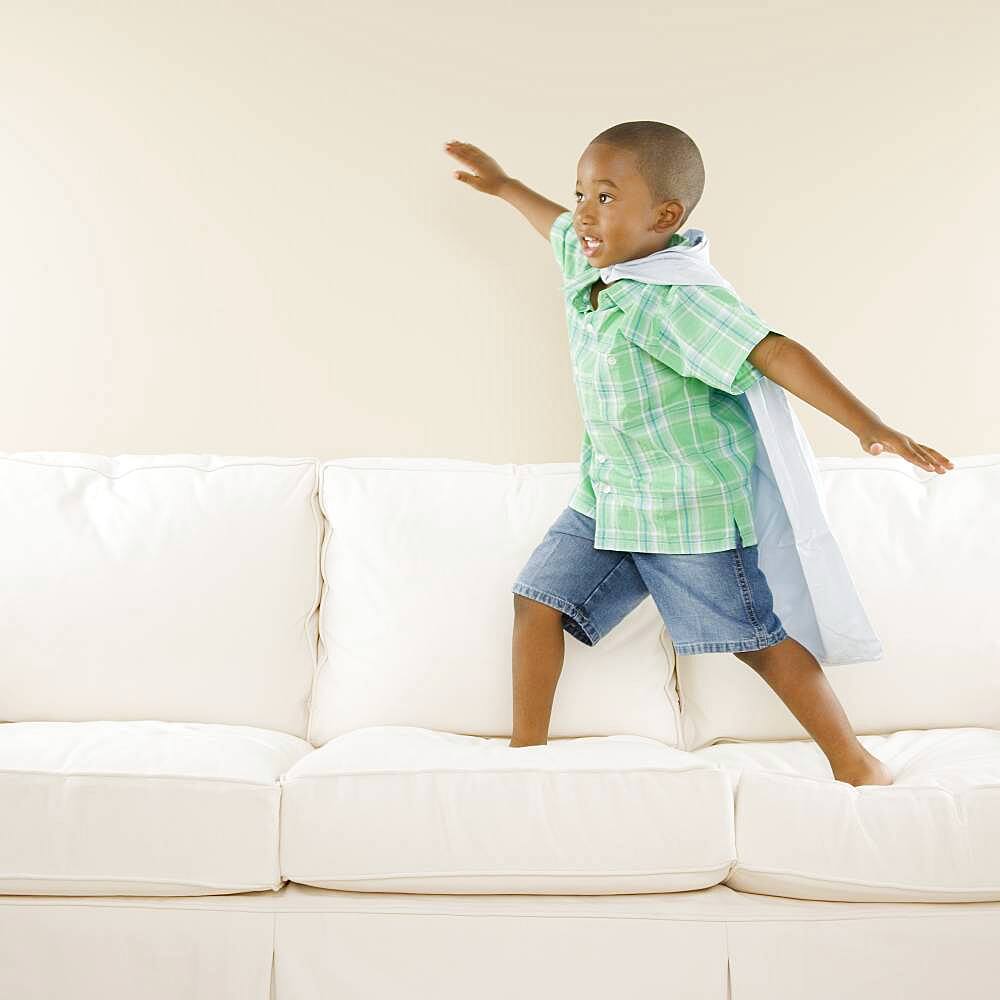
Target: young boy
(665,442)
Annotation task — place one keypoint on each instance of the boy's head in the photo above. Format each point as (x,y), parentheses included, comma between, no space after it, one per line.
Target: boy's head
(636,185)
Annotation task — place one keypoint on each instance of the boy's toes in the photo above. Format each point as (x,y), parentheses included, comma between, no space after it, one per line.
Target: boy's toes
(871,771)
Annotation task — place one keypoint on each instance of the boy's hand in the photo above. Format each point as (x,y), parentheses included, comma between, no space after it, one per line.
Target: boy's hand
(489,176)
(880,437)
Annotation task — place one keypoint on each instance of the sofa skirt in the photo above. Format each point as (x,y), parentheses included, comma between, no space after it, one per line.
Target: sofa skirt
(306,943)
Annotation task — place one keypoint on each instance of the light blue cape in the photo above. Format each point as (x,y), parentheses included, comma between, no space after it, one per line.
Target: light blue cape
(814,594)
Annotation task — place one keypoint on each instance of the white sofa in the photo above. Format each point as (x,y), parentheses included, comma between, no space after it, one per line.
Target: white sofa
(254,744)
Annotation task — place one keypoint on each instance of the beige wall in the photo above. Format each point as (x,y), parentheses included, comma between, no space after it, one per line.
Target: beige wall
(232,228)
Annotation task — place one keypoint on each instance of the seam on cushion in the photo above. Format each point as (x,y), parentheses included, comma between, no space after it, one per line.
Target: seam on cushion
(901,911)
(325,535)
(654,768)
(193,779)
(136,879)
(674,696)
(480,468)
(155,468)
(552,872)
(751,771)
(836,879)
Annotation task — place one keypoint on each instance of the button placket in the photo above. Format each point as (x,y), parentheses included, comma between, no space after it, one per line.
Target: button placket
(587,359)
(603,487)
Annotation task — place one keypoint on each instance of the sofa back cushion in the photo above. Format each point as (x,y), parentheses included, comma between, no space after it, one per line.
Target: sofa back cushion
(417,608)
(922,549)
(171,587)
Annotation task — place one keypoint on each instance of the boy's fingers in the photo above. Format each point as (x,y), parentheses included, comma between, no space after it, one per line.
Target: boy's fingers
(929,456)
(925,457)
(918,453)
(462,150)
(938,457)
(924,454)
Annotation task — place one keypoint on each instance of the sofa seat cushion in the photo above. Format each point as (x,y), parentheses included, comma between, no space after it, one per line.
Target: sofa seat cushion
(931,836)
(408,809)
(143,808)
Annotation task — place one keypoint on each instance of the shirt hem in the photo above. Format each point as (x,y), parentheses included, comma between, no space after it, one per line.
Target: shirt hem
(671,542)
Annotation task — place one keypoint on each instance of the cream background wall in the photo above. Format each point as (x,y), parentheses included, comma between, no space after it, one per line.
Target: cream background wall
(231,227)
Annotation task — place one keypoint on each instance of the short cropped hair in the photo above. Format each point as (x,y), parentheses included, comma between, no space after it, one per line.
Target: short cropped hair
(667,159)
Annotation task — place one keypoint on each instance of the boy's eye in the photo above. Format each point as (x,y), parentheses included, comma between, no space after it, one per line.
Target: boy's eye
(603,194)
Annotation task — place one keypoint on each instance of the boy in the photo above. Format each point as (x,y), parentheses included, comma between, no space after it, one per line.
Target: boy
(676,523)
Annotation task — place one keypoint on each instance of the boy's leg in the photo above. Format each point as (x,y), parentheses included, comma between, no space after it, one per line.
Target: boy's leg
(797,678)
(537,651)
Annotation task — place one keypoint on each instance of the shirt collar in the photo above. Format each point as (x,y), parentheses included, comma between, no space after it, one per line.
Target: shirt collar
(622,292)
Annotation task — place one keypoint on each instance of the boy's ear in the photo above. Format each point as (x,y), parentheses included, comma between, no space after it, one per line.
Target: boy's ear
(670,215)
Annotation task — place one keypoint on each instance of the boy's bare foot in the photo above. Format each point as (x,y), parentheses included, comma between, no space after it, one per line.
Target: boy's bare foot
(868,771)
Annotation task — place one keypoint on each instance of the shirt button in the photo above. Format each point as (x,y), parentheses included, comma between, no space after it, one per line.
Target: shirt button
(602,458)
(612,361)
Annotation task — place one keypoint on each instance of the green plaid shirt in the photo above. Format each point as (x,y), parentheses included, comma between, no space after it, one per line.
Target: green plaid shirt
(667,447)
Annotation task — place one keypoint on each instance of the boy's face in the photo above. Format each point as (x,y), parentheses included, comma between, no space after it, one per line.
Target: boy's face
(613,204)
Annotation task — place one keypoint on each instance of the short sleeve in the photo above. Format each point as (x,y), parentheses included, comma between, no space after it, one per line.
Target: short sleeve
(700,331)
(566,246)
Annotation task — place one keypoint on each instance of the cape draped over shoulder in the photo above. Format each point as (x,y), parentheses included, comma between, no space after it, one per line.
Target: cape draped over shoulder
(814,594)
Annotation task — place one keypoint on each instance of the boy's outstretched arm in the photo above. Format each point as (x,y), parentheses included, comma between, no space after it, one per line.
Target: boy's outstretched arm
(490,178)
(793,366)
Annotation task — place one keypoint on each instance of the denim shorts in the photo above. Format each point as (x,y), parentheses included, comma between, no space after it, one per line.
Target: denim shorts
(711,602)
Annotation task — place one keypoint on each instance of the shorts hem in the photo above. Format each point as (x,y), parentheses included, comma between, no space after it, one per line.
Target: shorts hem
(579,627)
(735,646)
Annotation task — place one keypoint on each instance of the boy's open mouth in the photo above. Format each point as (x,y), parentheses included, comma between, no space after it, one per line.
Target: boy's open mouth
(591,246)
